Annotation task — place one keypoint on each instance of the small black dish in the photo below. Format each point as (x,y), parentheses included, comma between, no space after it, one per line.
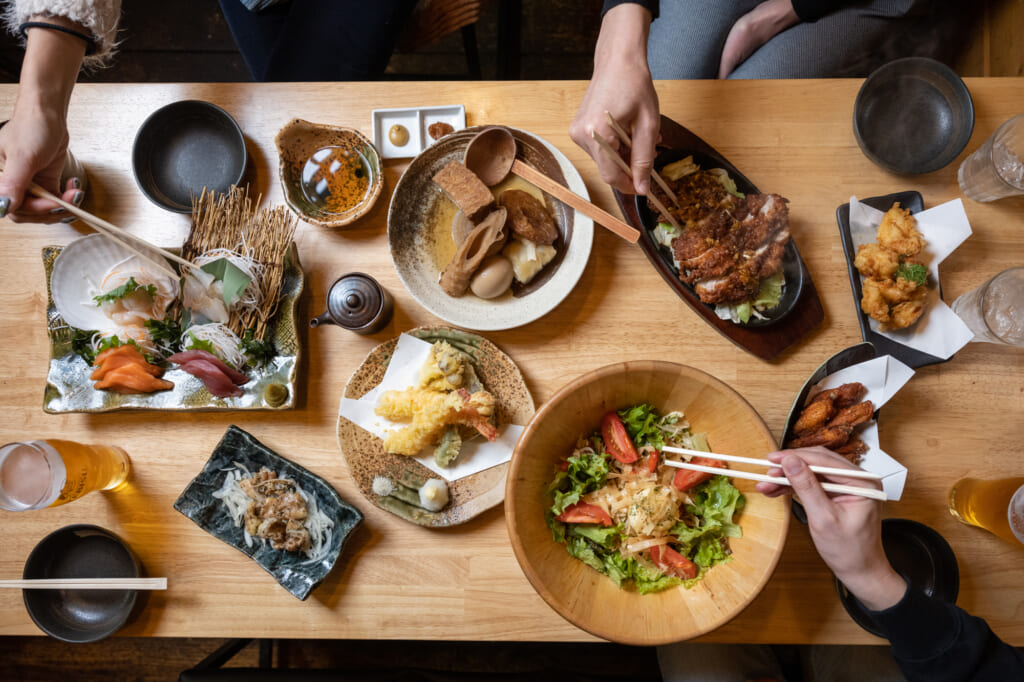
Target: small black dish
(913,115)
(919,554)
(80,551)
(186,146)
(909,356)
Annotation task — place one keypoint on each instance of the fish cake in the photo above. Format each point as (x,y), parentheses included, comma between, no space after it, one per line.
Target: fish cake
(529,218)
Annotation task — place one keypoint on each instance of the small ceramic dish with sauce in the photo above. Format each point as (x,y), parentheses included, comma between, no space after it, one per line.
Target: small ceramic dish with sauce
(404,133)
(331,176)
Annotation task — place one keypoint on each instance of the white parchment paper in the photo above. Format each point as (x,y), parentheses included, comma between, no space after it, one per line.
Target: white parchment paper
(403,372)
(939,332)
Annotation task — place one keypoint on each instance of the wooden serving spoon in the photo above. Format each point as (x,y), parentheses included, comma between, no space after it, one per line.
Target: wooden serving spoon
(491,154)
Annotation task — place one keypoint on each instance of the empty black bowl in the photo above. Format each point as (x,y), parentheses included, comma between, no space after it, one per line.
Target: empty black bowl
(913,115)
(921,556)
(80,551)
(184,147)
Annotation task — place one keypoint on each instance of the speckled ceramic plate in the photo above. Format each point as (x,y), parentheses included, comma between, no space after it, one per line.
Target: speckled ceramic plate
(69,389)
(294,571)
(365,453)
(417,200)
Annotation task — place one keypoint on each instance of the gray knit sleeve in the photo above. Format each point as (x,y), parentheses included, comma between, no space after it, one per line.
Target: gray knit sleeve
(99,17)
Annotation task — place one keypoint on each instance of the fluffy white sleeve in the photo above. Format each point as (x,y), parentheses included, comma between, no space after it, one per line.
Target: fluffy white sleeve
(99,17)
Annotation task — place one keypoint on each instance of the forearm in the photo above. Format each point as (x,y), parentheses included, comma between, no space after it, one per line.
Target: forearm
(51,65)
(623,36)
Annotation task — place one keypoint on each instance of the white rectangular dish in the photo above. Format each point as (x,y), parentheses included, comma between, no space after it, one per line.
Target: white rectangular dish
(417,121)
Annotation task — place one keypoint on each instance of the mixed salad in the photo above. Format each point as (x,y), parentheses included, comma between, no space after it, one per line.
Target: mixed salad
(619,509)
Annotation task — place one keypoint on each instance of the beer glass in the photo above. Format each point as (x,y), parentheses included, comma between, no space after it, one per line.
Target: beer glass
(48,473)
(997,506)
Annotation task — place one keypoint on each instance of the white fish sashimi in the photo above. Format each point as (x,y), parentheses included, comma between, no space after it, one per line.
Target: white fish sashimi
(95,265)
(204,296)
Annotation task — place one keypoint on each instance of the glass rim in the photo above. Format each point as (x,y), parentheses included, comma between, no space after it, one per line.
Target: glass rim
(38,451)
(984,298)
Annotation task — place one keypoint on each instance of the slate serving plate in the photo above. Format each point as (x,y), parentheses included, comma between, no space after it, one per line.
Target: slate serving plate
(919,554)
(847,357)
(294,571)
(886,346)
(365,455)
(69,389)
(798,312)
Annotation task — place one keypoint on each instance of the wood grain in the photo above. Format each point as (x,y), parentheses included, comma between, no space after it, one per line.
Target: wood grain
(396,580)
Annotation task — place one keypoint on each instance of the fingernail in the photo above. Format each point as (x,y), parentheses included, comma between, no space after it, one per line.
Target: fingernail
(70,219)
(55,211)
(76,183)
(77,199)
(792,465)
(5,202)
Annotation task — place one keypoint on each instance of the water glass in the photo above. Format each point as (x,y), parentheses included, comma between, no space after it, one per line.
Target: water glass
(996,170)
(997,506)
(48,473)
(995,310)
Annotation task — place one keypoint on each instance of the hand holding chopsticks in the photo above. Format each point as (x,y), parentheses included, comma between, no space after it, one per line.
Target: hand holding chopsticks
(778,480)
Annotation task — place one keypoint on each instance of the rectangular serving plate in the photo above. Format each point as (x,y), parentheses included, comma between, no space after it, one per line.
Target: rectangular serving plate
(417,120)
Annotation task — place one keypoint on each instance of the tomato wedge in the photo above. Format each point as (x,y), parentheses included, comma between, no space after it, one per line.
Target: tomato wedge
(651,465)
(616,439)
(686,479)
(671,562)
(582,512)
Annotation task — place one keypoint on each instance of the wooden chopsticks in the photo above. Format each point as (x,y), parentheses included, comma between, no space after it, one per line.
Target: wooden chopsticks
(625,138)
(614,156)
(778,480)
(87,584)
(114,232)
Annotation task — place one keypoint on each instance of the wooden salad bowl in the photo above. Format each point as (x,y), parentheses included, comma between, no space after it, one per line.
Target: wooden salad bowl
(591,600)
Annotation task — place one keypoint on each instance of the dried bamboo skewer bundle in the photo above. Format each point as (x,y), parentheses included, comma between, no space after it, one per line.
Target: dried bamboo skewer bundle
(235,222)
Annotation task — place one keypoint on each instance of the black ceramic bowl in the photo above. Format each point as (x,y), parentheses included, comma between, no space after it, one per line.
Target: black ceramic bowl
(184,147)
(913,115)
(921,556)
(80,551)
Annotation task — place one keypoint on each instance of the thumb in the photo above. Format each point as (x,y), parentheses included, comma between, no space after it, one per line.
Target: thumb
(641,158)
(14,180)
(805,485)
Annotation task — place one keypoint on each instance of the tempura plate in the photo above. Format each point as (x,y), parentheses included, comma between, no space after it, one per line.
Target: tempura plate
(69,389)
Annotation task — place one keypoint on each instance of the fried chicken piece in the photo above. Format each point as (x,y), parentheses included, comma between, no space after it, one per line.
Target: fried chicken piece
(898,231)
(844,395)
(903,315)
(815,416)
(873,300)
(830,437)
(853,415)
(853,450)
(876,262)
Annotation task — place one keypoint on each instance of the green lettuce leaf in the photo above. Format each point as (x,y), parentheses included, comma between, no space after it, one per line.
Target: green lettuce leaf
(587,472)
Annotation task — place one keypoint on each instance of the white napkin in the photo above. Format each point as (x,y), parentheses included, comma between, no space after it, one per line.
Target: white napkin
(939,332)
(883,377)
(403,372)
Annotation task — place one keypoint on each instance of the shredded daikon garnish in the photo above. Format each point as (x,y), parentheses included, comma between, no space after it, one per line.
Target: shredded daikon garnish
(225,342)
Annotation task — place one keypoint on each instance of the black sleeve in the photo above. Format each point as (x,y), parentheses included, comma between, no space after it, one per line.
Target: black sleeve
(812,10)
(936,641)
(651,5)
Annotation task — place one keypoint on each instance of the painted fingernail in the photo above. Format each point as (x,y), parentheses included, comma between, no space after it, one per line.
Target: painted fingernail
(70,219)
(77,199)
(5,202)
(76,183)
(59,209)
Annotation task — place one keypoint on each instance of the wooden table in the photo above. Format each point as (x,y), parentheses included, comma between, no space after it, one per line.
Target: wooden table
(396,580)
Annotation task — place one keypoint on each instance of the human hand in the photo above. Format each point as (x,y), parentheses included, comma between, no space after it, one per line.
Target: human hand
(754,29)
(846,529)
(622,86)
(33,149)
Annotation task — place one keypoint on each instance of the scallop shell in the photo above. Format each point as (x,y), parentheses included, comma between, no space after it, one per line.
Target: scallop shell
(81,267)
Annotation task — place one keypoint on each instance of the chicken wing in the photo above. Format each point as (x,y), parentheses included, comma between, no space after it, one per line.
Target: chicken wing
(815,416)
(830,437)
(853,415)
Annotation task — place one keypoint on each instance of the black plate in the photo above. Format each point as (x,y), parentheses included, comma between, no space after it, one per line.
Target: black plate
(920,555)
(854,355)
(792,265)
(913,115)
(80,551)
(294,571)
(184,147)
(886,346)
(798,312)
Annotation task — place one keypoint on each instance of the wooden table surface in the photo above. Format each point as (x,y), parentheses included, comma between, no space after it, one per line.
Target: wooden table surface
(400,581)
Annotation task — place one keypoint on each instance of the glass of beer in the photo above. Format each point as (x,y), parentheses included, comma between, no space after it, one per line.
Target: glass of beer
(997,506)
(48,473)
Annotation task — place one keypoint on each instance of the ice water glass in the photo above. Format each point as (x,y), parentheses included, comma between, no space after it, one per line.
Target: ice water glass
(995,310)
(48,473)
(996,170)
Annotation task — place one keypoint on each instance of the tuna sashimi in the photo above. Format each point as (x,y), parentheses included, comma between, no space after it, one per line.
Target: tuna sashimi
(184,357)
(216,381)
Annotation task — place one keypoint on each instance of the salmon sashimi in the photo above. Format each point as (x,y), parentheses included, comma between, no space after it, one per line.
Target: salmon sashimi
(117,361)
(132,378)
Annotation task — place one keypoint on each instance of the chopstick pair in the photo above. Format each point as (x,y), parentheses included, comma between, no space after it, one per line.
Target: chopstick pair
(87,584)
(778,480)
(624,167)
